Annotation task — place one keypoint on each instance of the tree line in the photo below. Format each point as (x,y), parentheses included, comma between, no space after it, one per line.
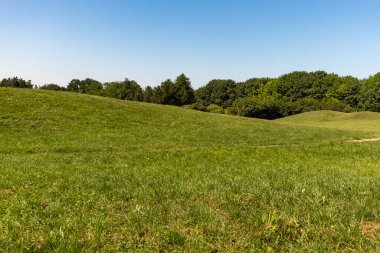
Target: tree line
(267,98)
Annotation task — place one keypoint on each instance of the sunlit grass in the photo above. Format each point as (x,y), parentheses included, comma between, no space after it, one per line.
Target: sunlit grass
(83,173)
(361,121)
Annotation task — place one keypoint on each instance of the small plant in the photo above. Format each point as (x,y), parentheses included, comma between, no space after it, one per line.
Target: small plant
(176,239)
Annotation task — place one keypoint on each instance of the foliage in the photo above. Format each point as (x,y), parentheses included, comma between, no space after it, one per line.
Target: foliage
(265,108)
(251,87)
(346,89)
(218,92)
(86,86)
(52,86)
(290,94)
(90,86)
(165,93)
(215,109)
(74,85)
(196,106)
(178,93)
(298,85)
(16,82)
(128,90)
(184,91)
(148,94)
(370,94)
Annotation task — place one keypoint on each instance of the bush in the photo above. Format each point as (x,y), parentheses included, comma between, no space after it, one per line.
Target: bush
(311,104)
(52,86)
(215,109)
(196,106)
(264,108)
(335,105)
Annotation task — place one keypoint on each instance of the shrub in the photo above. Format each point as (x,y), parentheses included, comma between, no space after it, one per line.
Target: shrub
(52,86)
(215,109)
(264,108)
(196,106)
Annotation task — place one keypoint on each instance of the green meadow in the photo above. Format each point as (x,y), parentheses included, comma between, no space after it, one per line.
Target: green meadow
(82,173)
(359,121)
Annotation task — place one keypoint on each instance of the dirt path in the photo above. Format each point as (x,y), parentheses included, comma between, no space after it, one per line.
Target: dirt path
(366,140)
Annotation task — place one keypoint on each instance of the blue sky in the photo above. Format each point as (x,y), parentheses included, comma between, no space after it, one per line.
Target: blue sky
(151,40)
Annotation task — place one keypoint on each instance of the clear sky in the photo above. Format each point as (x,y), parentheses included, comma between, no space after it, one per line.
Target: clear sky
(54,41)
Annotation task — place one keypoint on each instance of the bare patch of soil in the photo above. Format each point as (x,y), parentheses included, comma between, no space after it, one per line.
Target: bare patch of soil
(267,146)
(366,140)
(370,229)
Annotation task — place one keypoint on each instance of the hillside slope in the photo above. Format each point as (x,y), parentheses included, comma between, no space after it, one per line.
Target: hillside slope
(360,121)
(37,121)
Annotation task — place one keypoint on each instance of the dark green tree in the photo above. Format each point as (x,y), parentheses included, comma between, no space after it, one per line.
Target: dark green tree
(184,93)
(251,87)
(115,90)
(52,86)
(165,93)
(16,82)
(128,90)
(74,85)
(218,92)
(134,91)
(148,94)
(264,108)
(298,85)
(90,86)
(346,89)
(370,94)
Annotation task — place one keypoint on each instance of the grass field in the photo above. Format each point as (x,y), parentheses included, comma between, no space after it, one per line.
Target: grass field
(84,174)
(360,121)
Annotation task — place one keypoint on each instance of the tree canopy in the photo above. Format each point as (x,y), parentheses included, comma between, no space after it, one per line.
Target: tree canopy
(16,82)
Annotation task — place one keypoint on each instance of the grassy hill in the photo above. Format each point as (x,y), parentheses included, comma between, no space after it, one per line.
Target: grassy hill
(361,121)
(85,173)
